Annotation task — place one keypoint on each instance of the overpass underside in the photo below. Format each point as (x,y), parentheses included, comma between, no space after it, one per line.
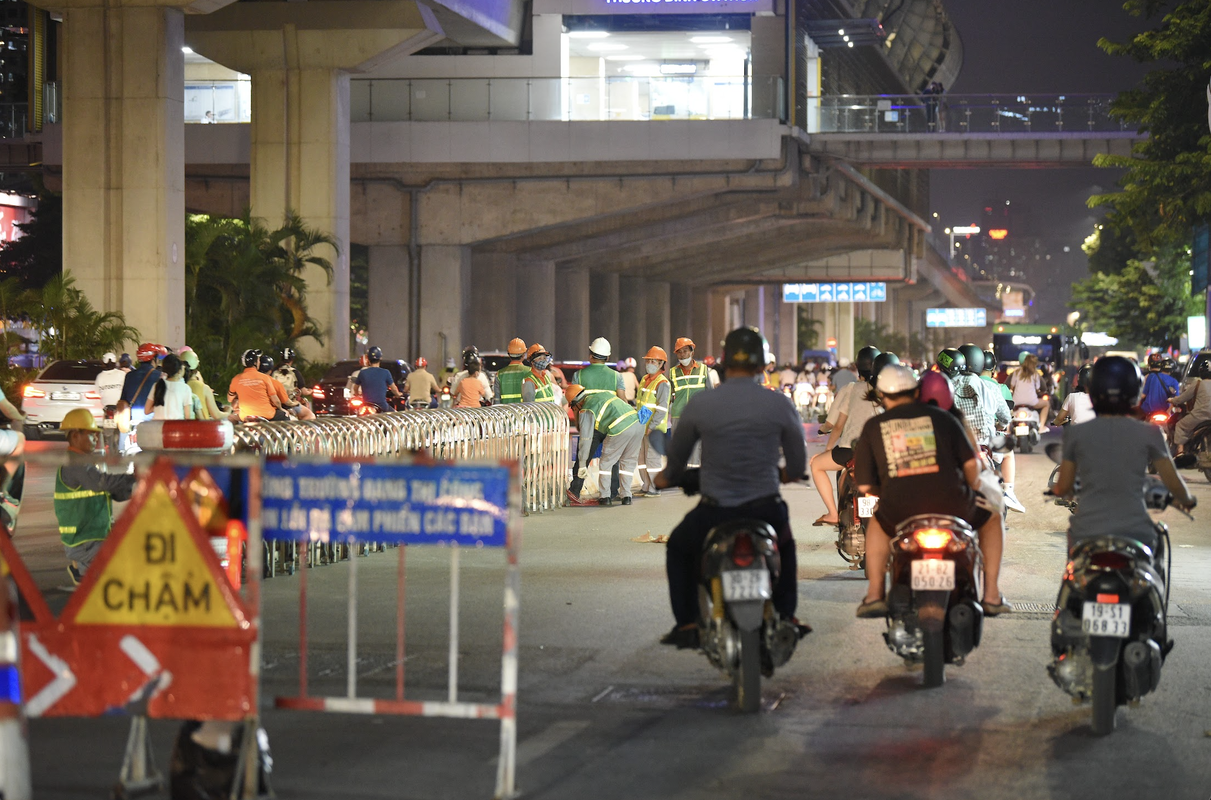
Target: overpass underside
(968,150)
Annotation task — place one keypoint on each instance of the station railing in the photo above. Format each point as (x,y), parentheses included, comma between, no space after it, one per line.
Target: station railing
(969,113)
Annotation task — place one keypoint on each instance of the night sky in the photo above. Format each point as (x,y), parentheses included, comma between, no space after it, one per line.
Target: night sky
(1025,46)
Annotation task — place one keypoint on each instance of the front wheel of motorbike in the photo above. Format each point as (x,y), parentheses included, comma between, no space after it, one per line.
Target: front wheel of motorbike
(1104,706)
(747,677)
(935,659)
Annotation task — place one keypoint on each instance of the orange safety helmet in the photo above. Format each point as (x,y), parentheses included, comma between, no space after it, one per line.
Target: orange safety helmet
(684,341)
(516,348)
(573,393)
(534,350)
(657,353)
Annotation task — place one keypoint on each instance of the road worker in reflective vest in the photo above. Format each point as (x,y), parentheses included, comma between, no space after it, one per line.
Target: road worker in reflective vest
(508,379)
(84,494)
(596,378)
(652,399)
(688,378)
(619,424)
(536,384)
(768,378)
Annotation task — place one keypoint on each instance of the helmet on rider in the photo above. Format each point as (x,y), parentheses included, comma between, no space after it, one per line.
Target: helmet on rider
(422,362)
(375,354)
(882,360)
(109,360)
(124,360)
(600,348)
(1114,386)
(629,363)
(1204,369)
(470,356)
(990,360)
(896,379)
(866,360)
(975,358)
(1156,360)
(1083,377)
(516,348)
(288,354)
(952,362)
(250,358)
(709,361)
(936,390)
(265,364)
(149,351)
(744,348)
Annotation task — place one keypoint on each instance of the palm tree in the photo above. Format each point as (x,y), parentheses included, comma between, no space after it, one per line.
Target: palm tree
(68,325)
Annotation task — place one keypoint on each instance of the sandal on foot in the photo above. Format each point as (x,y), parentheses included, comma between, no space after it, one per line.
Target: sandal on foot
(872,609)
(996,609)
(821,521)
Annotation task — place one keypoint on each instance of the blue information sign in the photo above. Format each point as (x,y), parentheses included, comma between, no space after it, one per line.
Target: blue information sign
(835,292)
(956,317)
(396,503)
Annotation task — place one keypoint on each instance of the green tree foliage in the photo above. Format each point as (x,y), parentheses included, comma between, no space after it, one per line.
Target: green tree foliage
(68,325)
(879,335)
(245,287)
(1167,184)
(807,328)
(37,256)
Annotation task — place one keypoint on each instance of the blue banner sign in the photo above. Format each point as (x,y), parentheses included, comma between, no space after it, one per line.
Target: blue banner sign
(397,503)
(838,292)
(956,317)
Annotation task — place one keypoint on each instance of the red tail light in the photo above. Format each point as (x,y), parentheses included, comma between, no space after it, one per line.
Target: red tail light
(317,393)
(1110,561)
(30,391)
(743,552)
(1160,416)
(1107,598)
(932,538)
(356,402)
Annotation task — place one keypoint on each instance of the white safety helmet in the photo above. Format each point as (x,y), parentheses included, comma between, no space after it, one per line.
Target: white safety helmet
(896,378)
(109,358)
(600,348)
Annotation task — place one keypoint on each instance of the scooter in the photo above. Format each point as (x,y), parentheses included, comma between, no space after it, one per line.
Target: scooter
(738,629)
(854,509)
(1026,428)
(934,615)
(109,431)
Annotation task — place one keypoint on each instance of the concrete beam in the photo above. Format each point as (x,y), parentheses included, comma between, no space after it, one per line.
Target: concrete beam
(955,150)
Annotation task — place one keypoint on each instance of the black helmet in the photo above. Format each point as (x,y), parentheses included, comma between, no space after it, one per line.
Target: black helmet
(251,357)
(1156,360)
(745,347)
(1115,385)
(1204,369)
(470,356)
(374,354)
(288,354)
(952,362)
(1082,378)
(124,360)
(865,360)
(881,361)
(265,364)
(990,360)
(975,358)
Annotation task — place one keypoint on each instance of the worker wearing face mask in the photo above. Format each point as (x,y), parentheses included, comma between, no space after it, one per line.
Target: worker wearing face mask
(652,399)
(688,378)
(537,386)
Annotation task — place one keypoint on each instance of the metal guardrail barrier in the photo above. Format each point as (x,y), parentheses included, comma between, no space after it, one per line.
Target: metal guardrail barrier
(533,434)
(969,113)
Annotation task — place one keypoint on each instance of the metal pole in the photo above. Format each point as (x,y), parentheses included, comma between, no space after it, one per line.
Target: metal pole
(351,656)
(453,623)
(399,632)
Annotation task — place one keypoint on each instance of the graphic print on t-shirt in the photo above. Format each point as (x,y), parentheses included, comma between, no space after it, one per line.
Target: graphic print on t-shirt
(910,445)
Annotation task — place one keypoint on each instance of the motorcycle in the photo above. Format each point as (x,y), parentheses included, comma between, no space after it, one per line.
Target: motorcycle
(934,614)
(1161,420)
(853,511)
(109,431)
(1026,428)
(738,630)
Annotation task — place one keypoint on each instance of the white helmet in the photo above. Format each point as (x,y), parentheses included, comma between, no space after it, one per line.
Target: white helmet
(600,348)
(109,358)
(896,378)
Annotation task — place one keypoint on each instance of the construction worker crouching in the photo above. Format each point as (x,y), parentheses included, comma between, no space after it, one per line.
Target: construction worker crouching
(508,379)
(596,378)
(618,423)
(688,378)
(84,494)
(536,385)
(652,398)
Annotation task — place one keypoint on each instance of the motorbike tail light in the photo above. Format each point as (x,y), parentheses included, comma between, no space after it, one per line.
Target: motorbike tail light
(1107,598)
(317,393)
(356,402)
(932,538)
(1159,416)
(93,395)
(743,552)
(30,391)
(1110,561)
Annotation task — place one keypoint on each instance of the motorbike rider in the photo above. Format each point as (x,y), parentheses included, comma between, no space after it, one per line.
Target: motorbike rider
(1077,406)
(293,406)
(110,380)
(420,385)
(1200,407)
(1159,386)
(983,407)
(252,393)
(989,376)
(508,378)
(1027,386)
(139,383)
(744,430)
(848,414)
(918,459)
(1110,454)
(291,379)
(375,382)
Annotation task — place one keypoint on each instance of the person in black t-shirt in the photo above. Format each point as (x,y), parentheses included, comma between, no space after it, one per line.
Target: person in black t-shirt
(918,459)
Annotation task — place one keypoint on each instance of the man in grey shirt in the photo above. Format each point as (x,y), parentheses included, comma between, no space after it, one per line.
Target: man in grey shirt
(744,430)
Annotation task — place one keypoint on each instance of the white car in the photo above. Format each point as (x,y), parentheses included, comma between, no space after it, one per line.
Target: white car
(59,388)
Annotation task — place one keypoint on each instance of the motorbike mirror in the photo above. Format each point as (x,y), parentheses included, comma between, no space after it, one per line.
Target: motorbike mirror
(1054,451)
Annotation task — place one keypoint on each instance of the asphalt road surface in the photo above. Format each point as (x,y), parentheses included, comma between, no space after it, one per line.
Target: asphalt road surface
(607,713)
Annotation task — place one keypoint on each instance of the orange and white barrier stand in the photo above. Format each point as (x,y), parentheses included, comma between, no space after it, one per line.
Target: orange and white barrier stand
(198,436)
(14,749)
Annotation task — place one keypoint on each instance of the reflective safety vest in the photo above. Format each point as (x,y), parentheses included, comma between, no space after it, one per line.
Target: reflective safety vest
(84,515)
(611,416)
(544,387)
(646,397)
(767,380)
(597,378)
(509,380)
(686,384)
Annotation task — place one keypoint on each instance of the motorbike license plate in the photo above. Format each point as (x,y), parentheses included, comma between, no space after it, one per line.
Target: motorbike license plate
(866,506)
(749,584)
(64,395)
(1021,430)
(933,575)
(1107,619)
(109,423)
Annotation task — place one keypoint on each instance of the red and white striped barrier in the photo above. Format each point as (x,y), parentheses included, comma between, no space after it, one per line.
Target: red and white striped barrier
(199,436)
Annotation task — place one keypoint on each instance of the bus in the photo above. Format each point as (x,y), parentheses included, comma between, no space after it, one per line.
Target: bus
(1057,345)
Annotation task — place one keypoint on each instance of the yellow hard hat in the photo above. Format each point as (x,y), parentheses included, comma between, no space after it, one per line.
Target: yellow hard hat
(79,419)
(657,353)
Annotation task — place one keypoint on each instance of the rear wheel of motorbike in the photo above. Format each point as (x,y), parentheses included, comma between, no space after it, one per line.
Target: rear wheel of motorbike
(1025,446)
(935,659)
(1104,706)
(1200,446)
(747,677)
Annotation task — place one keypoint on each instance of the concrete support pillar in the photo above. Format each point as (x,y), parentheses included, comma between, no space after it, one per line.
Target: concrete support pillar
(632,315)
(444,300)
(788,332)
(659,319)
(845,330)
(603,308)
(536,304)
(752,307)
(573,310)
(494,294)
(721,321)
(702,316)
(681,313)
(390,300)
(124,162)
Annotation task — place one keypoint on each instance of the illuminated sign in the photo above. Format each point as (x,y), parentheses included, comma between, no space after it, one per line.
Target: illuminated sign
(965,230)
(956,317)
(583,7)
(846,292)
(997,233)
(1014,312)
(1196,332)
(1019,339)
(1098,339)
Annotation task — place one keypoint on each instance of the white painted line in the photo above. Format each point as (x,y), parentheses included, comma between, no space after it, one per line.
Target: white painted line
(537,746)
(601,695)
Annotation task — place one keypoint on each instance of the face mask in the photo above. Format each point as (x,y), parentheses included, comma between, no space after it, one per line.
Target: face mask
(652,368)
(541,364)
(685,362)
